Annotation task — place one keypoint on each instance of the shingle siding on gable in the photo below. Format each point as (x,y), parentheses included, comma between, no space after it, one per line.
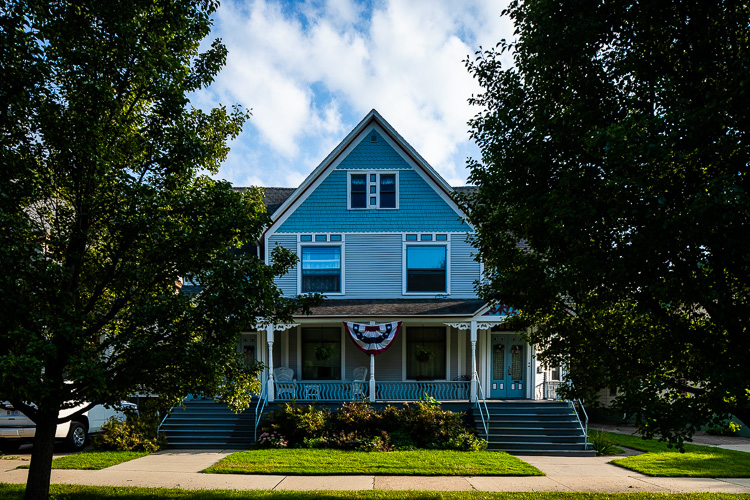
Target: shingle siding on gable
(420,209)
(377,155)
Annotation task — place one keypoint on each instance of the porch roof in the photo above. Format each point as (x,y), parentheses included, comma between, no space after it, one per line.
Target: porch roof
(396,307)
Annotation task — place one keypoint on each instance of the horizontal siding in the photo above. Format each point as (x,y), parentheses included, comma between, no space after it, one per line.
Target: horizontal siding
(464,269)
(373,266)
(288,282)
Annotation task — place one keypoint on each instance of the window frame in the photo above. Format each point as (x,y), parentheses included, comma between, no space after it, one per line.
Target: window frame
(369,184)
(328,243)
(301,343)
(405,271)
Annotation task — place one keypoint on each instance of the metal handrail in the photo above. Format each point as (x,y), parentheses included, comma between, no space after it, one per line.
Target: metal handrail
(585,428)
(166,415)
(480,392)
(262,400)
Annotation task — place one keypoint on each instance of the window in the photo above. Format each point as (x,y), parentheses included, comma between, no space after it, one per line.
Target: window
(426,268)
(321,269)
(387,190)
(425,353)
(373,190)
(321,354)
(358,187)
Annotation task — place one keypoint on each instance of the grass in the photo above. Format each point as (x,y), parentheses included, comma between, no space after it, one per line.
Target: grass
(75,492)
(311,462)
(93,460)
(697,461)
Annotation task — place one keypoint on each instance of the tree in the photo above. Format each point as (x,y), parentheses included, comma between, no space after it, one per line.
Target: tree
(105,206)
(612,206)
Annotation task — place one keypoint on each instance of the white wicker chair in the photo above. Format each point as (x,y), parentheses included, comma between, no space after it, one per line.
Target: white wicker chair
(360,383)
(285,382)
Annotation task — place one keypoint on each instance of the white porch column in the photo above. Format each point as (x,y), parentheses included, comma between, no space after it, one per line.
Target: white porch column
(474,381)
(269,338)
(372,378)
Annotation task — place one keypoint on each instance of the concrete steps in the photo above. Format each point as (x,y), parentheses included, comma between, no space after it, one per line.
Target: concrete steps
(206,424)
(535,428)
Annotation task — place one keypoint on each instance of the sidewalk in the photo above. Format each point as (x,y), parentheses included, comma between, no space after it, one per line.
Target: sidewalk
(182,469)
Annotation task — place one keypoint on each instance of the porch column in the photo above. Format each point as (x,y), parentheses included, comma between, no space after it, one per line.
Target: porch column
(372,378)
(474,380)
(269,338)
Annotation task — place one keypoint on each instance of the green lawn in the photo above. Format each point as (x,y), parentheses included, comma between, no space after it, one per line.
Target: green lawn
(94,460)
(697,461)
(74,492)
(403,463)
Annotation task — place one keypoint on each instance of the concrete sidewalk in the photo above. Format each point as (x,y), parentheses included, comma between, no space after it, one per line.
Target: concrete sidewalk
(182,469)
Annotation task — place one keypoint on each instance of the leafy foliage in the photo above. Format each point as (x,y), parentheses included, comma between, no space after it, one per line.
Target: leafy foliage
(358,426)
(612,207)
(106,206)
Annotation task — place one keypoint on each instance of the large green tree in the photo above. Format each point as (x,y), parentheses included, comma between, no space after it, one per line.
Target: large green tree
(105,205)
(612,204)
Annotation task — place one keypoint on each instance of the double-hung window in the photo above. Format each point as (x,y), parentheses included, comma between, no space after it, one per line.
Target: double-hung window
(426,268)
(373,190)
(425,353)
(321,268)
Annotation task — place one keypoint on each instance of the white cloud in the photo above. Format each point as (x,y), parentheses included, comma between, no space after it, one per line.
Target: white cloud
(310,71)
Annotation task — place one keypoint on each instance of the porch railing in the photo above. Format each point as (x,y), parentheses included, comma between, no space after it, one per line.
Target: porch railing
(547,390)
(347,390)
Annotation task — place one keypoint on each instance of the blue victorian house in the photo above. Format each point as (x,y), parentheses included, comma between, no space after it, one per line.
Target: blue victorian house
(378,232)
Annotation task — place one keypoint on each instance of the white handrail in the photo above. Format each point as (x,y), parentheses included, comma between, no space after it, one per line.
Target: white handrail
(262,405)
(480,392)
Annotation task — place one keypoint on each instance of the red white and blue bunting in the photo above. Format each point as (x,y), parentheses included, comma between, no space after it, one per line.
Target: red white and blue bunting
(373,339)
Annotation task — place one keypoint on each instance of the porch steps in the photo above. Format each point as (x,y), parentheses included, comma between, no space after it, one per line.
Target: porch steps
(206,424)
(535,428)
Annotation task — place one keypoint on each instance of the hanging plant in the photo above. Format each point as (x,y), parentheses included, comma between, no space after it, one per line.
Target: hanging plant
(423,354)
(323,352)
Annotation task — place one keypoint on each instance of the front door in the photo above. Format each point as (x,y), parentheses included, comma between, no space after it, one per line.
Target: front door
(508,373)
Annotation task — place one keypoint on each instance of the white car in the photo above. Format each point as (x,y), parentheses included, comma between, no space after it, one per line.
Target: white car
(17,429)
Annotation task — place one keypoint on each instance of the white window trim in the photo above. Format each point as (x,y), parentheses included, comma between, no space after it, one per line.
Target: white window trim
(340,244)
(368,183)
(404,274)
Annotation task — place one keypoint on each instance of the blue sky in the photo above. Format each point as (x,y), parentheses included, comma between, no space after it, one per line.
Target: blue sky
(310,71)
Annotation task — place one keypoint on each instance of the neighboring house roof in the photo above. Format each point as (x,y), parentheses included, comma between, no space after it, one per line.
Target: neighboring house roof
(396,307)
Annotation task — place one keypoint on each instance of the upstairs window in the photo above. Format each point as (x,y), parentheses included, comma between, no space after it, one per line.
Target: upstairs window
(373,190)
(426,267)
(321,269)
(358,187)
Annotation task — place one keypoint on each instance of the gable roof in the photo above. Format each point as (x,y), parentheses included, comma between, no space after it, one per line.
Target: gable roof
(373,118)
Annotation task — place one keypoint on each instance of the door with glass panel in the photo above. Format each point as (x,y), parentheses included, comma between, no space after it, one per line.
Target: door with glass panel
(507,368)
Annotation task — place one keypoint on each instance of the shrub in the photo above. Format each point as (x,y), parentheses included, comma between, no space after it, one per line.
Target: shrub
(728,428)
(358,426)
(297,422)
(135,434)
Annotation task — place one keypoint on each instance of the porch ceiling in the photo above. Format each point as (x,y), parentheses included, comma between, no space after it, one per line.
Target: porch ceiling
(396,307)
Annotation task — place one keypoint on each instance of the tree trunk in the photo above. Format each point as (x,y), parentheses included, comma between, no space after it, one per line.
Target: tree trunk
(37,484)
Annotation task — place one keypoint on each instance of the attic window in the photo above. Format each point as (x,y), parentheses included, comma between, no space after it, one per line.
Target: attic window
(373,190)
(373,137)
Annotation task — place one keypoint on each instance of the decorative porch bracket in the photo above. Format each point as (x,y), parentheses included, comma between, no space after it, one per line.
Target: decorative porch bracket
(474,327)
(270,329)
